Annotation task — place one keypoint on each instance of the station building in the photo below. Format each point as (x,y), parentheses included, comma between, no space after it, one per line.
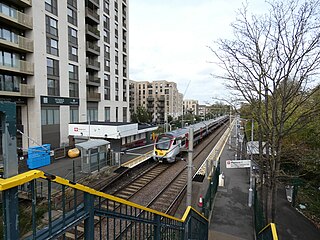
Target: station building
(122,136)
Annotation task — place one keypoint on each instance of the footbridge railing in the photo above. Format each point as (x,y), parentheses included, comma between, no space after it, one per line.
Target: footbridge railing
(37,205)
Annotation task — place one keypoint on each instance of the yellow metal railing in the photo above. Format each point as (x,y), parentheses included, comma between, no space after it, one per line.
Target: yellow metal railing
(161,223)
(269,232)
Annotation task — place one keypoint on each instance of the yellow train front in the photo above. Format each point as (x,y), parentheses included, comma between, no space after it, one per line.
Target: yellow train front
(168,145)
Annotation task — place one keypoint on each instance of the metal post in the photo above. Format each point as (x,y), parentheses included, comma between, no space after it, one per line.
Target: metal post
(89,222)
(73,171)
(251,180)
(236,154)
(190,151)
(10,167)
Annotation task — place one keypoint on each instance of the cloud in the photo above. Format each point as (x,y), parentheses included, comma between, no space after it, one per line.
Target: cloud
(169,39)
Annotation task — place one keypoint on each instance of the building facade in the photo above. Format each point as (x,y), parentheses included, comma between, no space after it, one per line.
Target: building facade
(191,106)
(63,62)
(160,98)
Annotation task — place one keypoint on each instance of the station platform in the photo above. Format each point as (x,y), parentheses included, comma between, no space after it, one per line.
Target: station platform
(230,218)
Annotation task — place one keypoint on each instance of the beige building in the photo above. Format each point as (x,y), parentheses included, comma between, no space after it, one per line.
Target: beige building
(160,98)
(191,106)
(63,62)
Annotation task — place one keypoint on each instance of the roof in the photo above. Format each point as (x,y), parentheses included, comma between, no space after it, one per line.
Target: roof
(105,123)
(92,143)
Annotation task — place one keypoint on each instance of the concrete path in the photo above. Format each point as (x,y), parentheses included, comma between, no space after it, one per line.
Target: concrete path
(231,217)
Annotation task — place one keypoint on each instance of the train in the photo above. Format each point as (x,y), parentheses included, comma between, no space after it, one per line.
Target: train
(169,145)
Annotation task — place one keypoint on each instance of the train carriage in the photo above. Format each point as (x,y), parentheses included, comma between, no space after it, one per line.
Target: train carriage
(168,145)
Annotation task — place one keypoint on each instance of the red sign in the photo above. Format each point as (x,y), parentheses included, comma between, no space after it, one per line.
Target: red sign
(76,129)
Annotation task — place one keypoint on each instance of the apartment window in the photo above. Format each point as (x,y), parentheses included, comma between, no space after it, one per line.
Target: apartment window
(150,92)
(73,53)
(9,59)
(53,87)
(72,35)
(51,26)
(116,56)
(51,6)
(52,67)
(106,22)
(8,35)
(116,42)
(116,95)
(73,72)
(72,3)
(107,114)
(117,114)
(106,36)
(50,116)
(9,83)
(124,113)
(74,115)
(106,65)
(107,87)
(107,52)
(92,114)
(106,7)
(72,16)
(52,46)
(73,89)
(166,91)
(9,11)
(116,70)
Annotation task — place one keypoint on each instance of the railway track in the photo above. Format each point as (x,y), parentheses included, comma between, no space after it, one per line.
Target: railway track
(164,199)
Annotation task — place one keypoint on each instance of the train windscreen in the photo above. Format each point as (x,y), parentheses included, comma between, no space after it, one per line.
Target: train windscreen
(163,143)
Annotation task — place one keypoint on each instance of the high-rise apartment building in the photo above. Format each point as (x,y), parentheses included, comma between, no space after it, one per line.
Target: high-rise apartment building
(160,98)
(191,106)
(63,62)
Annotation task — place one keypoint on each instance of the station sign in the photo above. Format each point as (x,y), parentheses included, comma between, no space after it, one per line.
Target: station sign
(46,100)
(238,163)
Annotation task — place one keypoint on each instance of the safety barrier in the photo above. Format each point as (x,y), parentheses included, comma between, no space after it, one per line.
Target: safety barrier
(76,211)
(211,192)
(269,232)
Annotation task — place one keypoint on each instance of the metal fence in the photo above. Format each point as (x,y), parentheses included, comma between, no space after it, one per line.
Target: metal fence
(79,212)
(211,192)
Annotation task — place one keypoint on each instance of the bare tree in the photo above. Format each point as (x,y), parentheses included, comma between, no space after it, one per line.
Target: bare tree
(273,62)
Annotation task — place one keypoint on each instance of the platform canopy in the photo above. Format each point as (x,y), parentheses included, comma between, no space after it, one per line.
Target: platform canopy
(92,143)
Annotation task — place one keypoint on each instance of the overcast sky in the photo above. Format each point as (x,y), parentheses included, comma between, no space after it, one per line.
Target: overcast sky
(169,40)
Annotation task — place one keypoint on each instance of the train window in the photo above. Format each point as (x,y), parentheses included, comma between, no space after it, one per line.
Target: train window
(163,143)
(175,142)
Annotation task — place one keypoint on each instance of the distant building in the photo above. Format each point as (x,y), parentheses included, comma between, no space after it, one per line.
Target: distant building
(160,98)
(191,106)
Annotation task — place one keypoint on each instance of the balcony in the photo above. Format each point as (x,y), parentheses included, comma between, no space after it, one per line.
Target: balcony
(150,99)
(93,97)
(92,32)
(21,44)
(93,64)
(92,15)
(150,110)
(161,99)
(161,104)
(95,2)
(17,19)
(25,90)
(93,80)
(21,3)
(93,48)
(18,66)
(150,105)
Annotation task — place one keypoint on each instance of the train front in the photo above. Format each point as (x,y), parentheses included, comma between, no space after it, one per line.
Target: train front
(162,148)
